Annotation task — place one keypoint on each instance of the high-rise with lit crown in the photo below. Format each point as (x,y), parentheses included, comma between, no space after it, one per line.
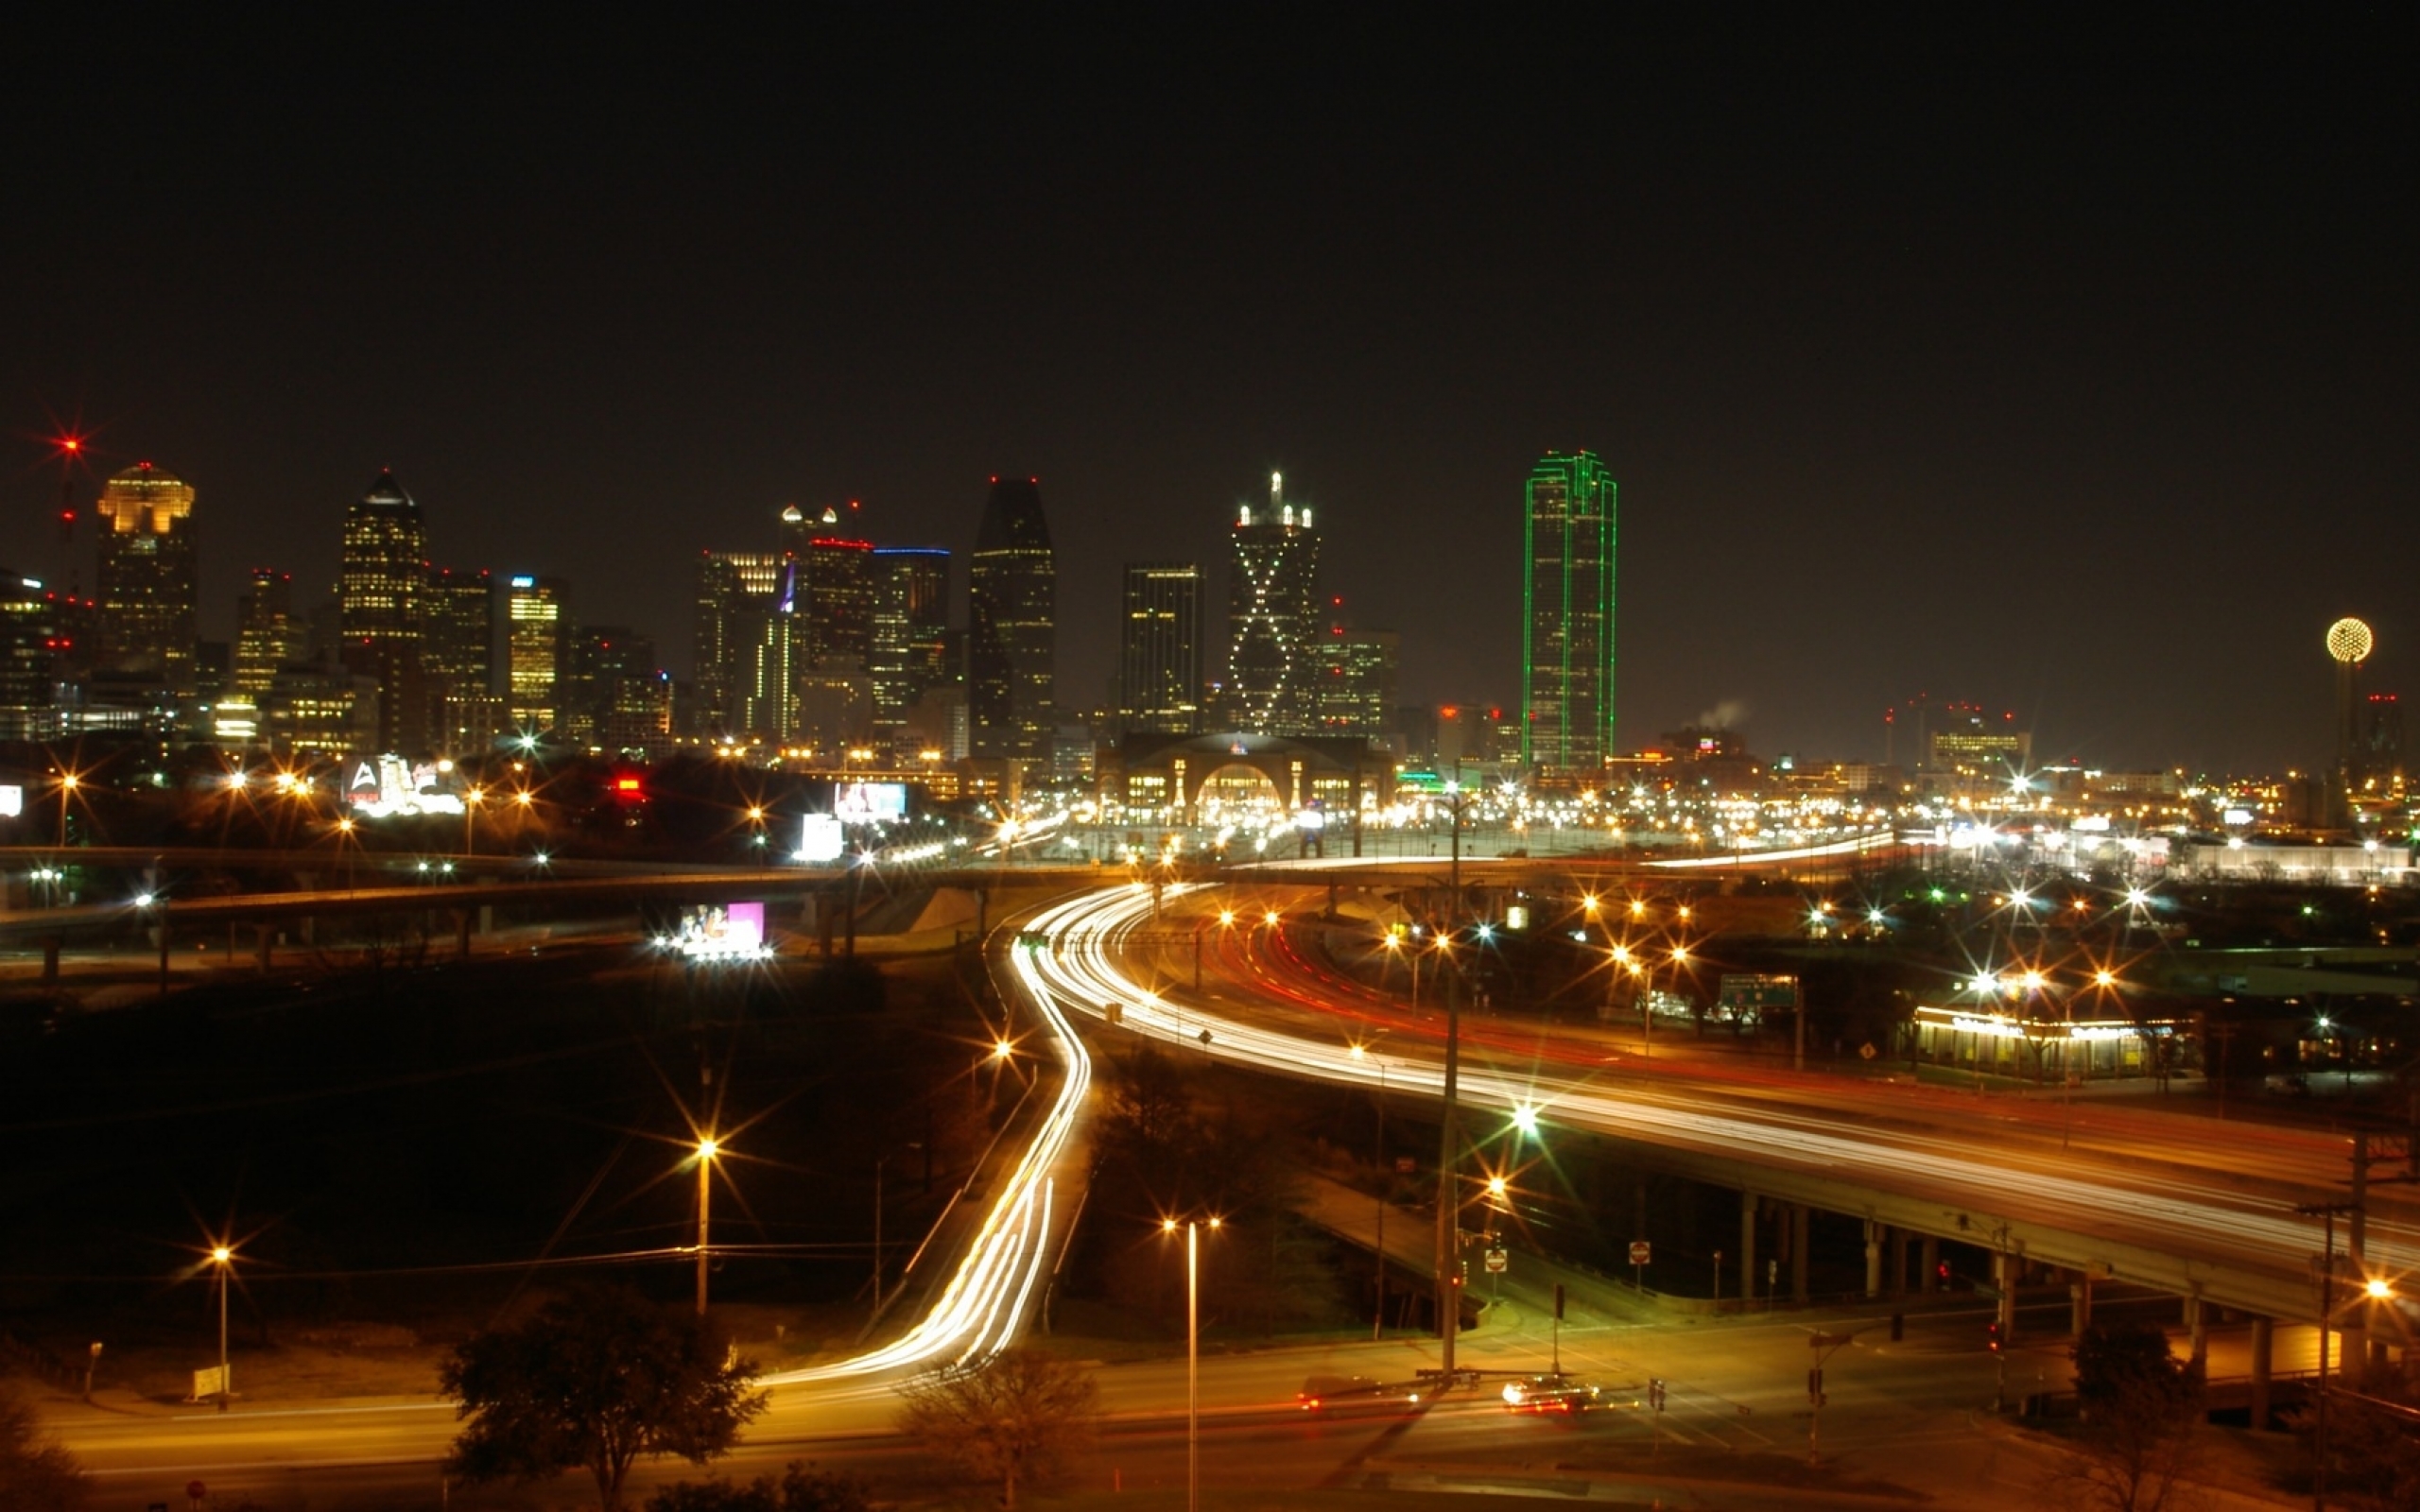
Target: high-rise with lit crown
(146,586)
(1159,649)
(1568,617)
(1273,620)
(1012,634)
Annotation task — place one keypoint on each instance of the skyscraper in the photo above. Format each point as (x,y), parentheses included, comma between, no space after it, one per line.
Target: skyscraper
(386,563)
(457,630)
(910,630)
(1568,616)
(533,652)
(838,574)
(1356,679)
(29,658)
(1159,649)
(266,636)
(736,592)
(1272,619)
(147,583)
(1012,637)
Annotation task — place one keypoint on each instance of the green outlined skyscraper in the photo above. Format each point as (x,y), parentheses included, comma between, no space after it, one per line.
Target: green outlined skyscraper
(1568,616)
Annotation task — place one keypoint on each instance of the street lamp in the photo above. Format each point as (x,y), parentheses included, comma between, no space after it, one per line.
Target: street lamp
(708,1147)
(1192,1355)
(67,784)
(224,1258)
(470,802)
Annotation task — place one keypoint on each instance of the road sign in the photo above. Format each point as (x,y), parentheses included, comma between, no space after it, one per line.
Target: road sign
(1638,1252)
(1496,1260)
(1866,1051)
(1405,1165)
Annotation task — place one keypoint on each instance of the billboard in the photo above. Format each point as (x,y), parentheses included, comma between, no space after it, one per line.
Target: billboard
(735,932)
(869,803)
(819,839)
(12,799)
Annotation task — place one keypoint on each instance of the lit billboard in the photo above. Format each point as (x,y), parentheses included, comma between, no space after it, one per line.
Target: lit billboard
(869,803)
(819,839)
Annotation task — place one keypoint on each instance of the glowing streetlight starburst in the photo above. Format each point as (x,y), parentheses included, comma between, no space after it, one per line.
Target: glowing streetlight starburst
(2350,640)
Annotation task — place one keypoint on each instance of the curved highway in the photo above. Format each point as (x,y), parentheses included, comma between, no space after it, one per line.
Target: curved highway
(2216,1200)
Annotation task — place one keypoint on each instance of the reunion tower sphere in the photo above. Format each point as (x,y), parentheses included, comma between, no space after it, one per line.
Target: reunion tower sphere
(2350,640)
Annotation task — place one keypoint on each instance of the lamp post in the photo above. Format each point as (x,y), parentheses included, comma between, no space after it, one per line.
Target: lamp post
(470,802)
(1192,1356)
(224,1258)
(707,1148)
(67,784)
(1448,1248)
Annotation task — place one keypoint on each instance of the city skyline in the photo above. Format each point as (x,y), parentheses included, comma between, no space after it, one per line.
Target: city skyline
(1921,384)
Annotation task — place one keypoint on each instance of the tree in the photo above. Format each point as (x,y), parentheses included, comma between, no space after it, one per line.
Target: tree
(802,1488)
(37,1473)
(2140,1407)
(1017,1417)
(596,1380)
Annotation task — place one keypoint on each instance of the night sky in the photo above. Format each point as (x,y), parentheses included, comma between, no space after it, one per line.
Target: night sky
(2064,367)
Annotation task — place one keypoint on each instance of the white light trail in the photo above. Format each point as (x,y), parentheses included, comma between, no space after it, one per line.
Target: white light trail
(980,1310)
(2167,1211)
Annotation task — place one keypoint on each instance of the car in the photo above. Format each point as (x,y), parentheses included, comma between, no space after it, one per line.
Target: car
(1551,1393)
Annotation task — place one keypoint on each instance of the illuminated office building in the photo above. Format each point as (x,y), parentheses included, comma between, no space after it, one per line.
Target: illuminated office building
(457,630)
(533,652)
(1972,747)
(267,634)
(147,587)
(736,593)
(385,567)
(1273,620)
(1159,649)
(838,574)
(1012,637)
(910,637)
(1568,616)
(1354,675)
(29,658)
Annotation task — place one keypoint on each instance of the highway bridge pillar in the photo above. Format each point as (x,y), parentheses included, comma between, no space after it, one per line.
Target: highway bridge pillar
(50,960)
(462,933)
(1747,1247)
(1932,1265)
(2079,1305)
(1873,1232)
(262,936)
(2197,1325)
(1802,1218)
(2263,1332)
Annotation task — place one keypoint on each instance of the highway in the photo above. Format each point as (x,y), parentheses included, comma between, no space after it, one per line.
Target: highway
(1069,964)
(2158,1199)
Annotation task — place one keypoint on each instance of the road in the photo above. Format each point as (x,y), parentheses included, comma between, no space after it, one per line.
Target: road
(1738,1391)
(2162,1195)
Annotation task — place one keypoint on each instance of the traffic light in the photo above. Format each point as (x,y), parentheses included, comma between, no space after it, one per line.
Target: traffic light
(1992,1331)
(1940,1274)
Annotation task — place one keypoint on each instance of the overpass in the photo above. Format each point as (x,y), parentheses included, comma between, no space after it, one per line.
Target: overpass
(2206,1211)
(494,883)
